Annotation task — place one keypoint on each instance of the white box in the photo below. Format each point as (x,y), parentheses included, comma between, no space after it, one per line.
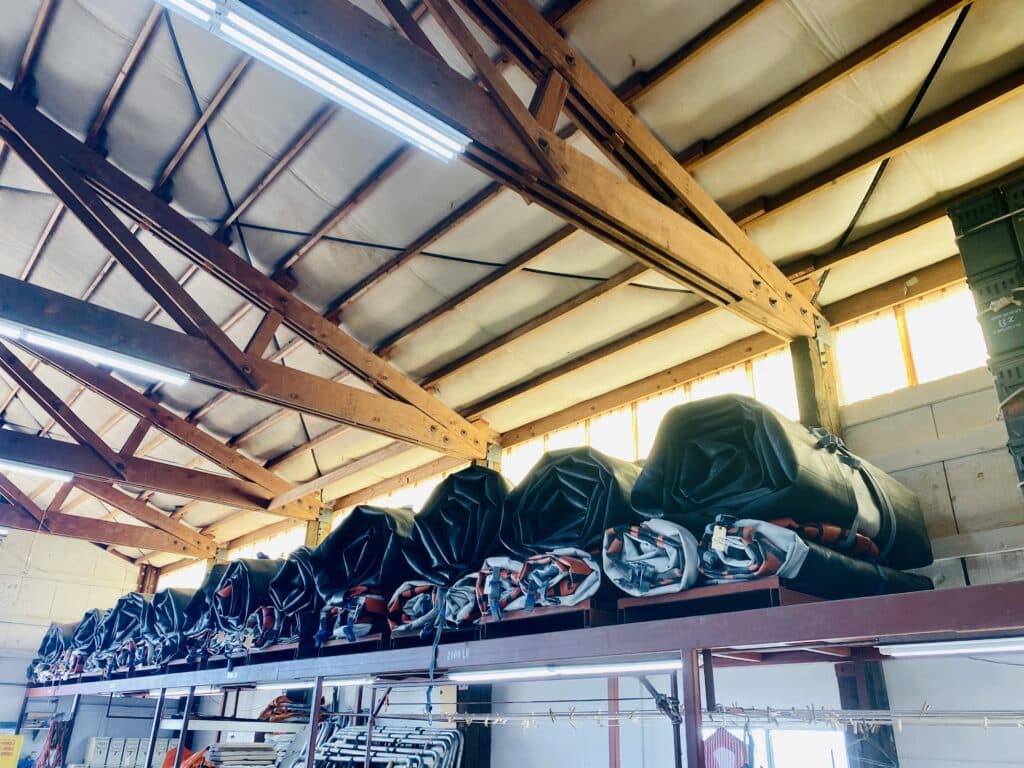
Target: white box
(131,752)
(96,749)
(163,746)
(115,753)
(140,758)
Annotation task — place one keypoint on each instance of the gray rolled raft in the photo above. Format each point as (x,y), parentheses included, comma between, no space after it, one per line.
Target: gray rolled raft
(734,455)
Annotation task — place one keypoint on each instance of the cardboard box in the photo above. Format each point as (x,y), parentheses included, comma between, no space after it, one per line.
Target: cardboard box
(96,749)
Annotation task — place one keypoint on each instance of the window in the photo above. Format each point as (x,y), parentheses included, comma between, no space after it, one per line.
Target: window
(775,384)
(517,460)
(649,414)
(612,433)
(793,748)
(869,358)
(570,437)
(732,381)
(279,545)
(944,335)
(187,577)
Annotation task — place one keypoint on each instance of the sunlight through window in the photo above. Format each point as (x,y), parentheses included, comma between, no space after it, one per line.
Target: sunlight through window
(945,337)
(869,360)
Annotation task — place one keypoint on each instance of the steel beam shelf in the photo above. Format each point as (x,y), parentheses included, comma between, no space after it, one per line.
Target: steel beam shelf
(232,725)
(966,612)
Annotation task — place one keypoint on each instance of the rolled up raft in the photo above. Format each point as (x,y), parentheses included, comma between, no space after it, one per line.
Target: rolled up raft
(49,660)
(83,641)
(165,624)
(244,588)
(199,618)
(656,557)
(119,632)
(295,600)
(744,550)
(565,576)
(568,499)
(734,455)
(421,608)
(458,526)
(357,568)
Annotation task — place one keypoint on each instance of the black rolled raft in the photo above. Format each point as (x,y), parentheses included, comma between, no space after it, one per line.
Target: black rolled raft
(295,600)
(49,660)
(357,568)
(244,587)
(83,641)
(165,623)
(457,529)
(568,499)
(118,632)
(744,550)
(199,618)
(734,455)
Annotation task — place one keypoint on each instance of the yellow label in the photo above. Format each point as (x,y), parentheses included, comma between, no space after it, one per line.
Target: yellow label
(10,751)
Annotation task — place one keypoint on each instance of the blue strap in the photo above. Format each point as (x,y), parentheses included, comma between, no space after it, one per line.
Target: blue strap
(882,588)
(494,596)
(441,595)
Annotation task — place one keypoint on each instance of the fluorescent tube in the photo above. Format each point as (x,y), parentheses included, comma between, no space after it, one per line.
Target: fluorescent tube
(341,682)
(92,354)
(178,693)
(566,670)
(36,471)
(289,53)
(955,647)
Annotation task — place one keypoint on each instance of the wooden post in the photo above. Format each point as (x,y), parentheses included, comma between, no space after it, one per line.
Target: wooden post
(317,530)
(148,576)
(817,390)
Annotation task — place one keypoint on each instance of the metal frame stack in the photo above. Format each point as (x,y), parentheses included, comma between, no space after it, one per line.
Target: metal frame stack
(990,235)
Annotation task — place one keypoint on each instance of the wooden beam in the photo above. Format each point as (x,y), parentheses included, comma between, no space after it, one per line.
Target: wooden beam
(423,242)
(392,484)
(917,283)
(264,334)
(677,375)
(391,165)
(588,193)
(25,515)
(212,108)
(143,473)
(48,400)
(124,75)
(949,117)
(602,115)
(404,21)
(306,135)
(151,413)
(907,29)
(47,310)
(548,99)
(387,348)
(598,291)
(198,544)
(215,257)
(817,389)
(934,277)
(347,469)
(574,365)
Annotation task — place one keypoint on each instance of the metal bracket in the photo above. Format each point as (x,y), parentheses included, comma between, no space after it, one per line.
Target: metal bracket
(823,336)
(667,705)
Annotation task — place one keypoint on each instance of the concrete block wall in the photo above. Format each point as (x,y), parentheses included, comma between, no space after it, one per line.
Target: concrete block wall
(944,440)
(46,579)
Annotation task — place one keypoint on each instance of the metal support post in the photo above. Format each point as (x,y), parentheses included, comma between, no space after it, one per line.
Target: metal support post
(21,714)
(709,680)
(314,720)
(183,733)
(614,735)
(154,728)
(691,708)
(369,726)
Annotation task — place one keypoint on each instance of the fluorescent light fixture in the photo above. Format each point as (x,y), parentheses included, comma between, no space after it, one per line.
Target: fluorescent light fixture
(955,647)
(92,354)
(341,682)
(287,52)
(566,670)
(179,693)
(35,470)
(349,682)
